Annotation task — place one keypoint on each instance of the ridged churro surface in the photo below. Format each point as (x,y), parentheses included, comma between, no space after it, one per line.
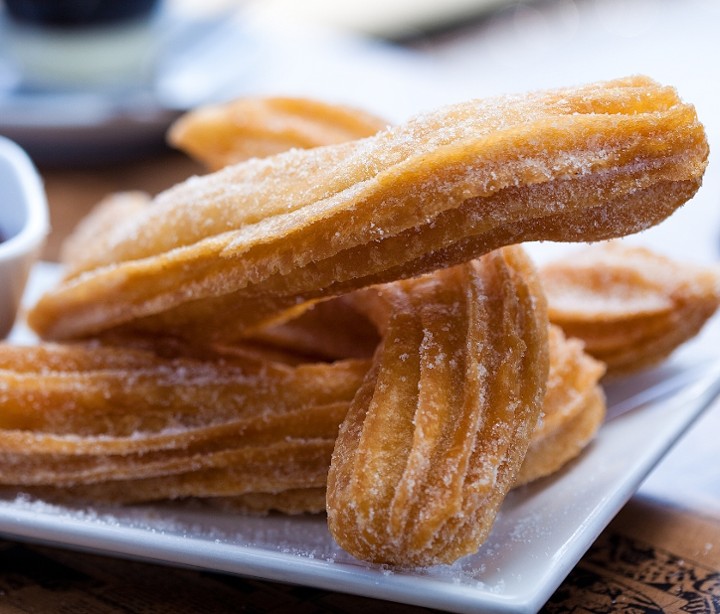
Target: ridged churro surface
(224,134)
(218,337)
(131,425)
(573,409)
(435,436)
(632,307)
(222,254)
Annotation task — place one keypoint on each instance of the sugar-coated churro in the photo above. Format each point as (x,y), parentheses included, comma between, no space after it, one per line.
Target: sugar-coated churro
(632,307)
(222,254)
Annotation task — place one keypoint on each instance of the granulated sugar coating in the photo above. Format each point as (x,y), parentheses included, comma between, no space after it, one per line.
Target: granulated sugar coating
(125,425)
(437,423)
(573,409)
(204,530)
(231,250)
(630,306)
(428,452)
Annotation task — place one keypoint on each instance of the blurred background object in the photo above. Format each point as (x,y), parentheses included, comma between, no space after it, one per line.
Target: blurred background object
(106,91)
(392,19)
(69,43)
(74,78)
(23,227)
(87,82)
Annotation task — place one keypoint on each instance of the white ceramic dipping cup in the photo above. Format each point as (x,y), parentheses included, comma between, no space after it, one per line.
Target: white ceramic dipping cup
(23,227)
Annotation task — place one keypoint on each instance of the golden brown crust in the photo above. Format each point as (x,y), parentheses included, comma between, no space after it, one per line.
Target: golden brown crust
(130,425)
(573,409)
(228,252)
(631,307)
(228,133)
(444,420)
(92,232)
(435,436)
(327,330)
(158,421)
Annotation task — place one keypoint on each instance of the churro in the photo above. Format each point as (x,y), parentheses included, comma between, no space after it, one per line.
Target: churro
(631,307)
(573,409)
(435,436)
(227,133)
(221,255)
(152,427)
(204,316)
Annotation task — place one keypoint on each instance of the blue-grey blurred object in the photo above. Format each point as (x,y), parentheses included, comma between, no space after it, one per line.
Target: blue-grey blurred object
(76,79)
(108,91)
(78,13)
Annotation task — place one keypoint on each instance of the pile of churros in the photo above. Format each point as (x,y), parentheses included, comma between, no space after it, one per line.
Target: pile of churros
(340,317)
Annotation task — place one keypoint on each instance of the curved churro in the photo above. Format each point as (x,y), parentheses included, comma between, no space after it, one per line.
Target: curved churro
(435,436)
(223,134)
(630,306)
(125,425)
(223,254)
(573,409)
(153,427)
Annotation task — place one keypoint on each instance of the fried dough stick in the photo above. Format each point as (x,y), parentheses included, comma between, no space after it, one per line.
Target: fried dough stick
(223,134)
(224,254)
(85,415)
(678,298)
(128,421)
(573,409)
(631,307)
(435,436)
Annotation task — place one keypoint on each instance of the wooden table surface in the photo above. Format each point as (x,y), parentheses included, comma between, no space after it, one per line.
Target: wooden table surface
(72,192)
(657,555)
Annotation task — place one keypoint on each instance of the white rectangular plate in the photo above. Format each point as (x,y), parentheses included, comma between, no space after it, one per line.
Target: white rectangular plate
(542,532)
